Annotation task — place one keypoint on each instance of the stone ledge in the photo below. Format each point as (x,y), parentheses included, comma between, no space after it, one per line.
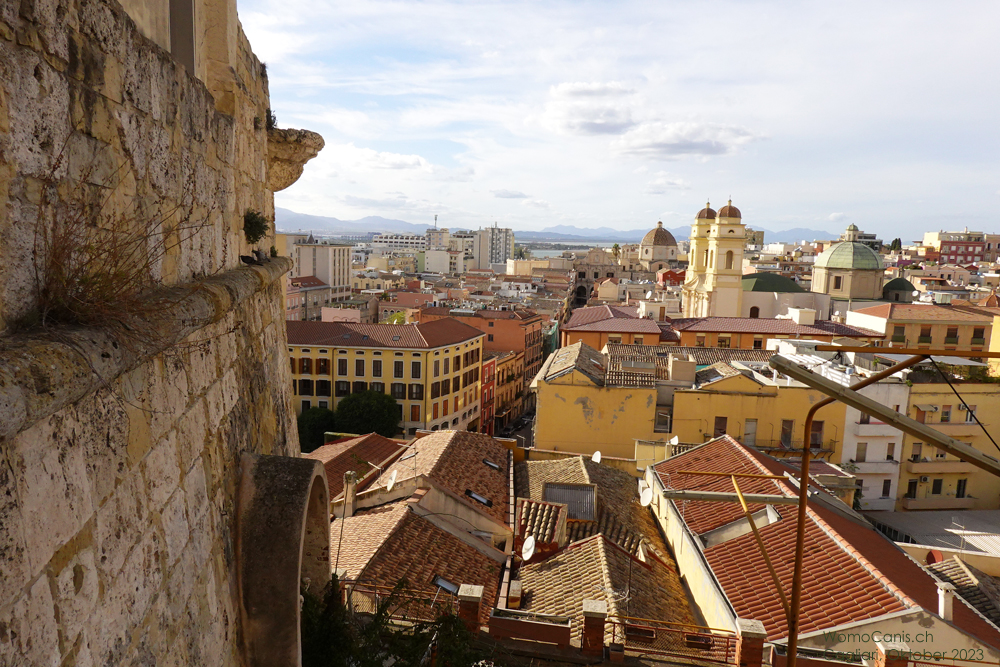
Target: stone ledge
(287,153)
(43,372)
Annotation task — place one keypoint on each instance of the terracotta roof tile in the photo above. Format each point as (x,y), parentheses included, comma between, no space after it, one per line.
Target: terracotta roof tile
(454,460)
(623,319)
(447,331)
(354,454)
(539,519)
(905,312)
(977,588)
(770,326)
(703,356)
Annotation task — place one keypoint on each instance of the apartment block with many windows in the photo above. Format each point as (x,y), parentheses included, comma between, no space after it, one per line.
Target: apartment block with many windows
(433,370)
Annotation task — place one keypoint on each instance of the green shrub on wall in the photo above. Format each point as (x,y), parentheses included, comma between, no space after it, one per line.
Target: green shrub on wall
(255,226)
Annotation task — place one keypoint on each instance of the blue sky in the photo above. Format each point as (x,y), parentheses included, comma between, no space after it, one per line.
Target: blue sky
(533,114)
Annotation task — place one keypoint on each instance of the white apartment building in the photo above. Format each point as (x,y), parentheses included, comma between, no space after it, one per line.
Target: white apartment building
(872,449)
(493,245)
(399,242)
(327,261)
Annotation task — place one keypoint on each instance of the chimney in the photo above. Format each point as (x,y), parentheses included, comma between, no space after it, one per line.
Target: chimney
(946,600)
(594,614)
(750,643)
(470,599)
(350,494)
(514,595)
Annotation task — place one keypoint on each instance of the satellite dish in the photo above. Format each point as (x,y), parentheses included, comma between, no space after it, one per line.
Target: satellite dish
(528,548)
(674,440)
(649,295)
(916,292)
(646,497)
(392,480)
(596,458)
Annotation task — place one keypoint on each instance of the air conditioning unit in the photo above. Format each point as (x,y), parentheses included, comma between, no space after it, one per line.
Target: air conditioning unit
(924,479)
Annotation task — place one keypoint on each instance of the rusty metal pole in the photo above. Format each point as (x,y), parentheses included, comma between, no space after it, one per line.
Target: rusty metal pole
(800,534)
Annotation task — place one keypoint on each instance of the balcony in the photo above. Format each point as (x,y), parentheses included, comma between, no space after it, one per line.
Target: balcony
(938,503)
(875,467)
(899,339)
(876,429)
(951,340)
(924,339)
(979,341)
(939,467)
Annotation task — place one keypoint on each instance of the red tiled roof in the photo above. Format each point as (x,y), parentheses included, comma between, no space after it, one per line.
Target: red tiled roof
(385,544)
(853,573)
(770,326)
(901,312)
(454,460)
(307,281)
(485,313)
(447,331)
(582,316)
(354,454)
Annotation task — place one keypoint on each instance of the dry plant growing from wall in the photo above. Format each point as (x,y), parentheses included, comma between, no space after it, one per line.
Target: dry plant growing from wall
(98,254)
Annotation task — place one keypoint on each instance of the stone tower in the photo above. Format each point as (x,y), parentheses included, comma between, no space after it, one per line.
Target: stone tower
(713,286)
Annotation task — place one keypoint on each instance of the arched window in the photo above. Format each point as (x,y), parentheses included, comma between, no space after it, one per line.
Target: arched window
(705,260)
(711,260)
(729,259)
(754,312)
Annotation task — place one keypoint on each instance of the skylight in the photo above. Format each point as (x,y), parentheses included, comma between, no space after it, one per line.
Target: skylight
(478,498)
(444,584)
(495,466)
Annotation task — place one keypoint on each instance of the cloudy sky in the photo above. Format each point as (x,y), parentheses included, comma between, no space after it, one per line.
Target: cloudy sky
(537,114)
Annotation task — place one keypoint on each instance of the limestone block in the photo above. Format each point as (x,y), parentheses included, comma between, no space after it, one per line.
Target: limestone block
(13,553)
(29,634)
(175,525)
(103,431)
(192,433)
(52,485)
(120,522)
(161,471)
(196,490)
(287,153)
(77,590)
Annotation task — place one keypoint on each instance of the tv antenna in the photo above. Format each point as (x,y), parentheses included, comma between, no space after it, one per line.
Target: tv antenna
(596,457)
(528,548)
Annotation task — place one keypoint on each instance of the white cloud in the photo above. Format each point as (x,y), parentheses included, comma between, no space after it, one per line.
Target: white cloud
(669,141)
(509,194)
(837,217)
(538,203)
(664,183)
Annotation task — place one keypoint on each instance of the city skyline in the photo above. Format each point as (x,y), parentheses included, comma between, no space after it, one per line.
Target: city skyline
(536,115)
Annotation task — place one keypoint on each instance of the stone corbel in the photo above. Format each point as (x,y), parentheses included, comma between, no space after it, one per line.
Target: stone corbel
(283,540)
(287,153)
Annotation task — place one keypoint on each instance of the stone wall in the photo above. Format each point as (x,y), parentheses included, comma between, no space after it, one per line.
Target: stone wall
(118,512)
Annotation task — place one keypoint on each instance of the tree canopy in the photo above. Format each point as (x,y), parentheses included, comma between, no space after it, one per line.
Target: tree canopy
(313,423)
(367,412)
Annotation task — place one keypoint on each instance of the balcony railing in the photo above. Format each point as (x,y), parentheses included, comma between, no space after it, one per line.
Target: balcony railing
(403,604)
(899,339)
(924,339)
(651,637)
(938,503)
(939,467)
(979,341)
(951,340)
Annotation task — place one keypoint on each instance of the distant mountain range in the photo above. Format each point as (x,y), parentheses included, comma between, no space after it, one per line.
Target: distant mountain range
(290,221)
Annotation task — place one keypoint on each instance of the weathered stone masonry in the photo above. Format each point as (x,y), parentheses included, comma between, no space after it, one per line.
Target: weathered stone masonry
(118,499)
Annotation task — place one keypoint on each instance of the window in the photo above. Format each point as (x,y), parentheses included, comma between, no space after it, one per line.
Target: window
(324,405)
(758,343)
(720,426)
(729,259)
(437,367)
(754,312)
(637,340)
(865,418)
(305,365)
(341,367)
(940,453)
(445,387)
(491,324)
(447,365)
(838,282)
(397,369)
(322,366)
(750,432)
(398,390)
(961,488)
(435,389)
(816,436)
(378,386)
(416,392)
(376,368)
(890,452)
(786,432)
(305,387)
(359,386)
(925,334)
(478,498)
(945,414)
(970,415)
(323,388)
(414,413)
(359,367)
(911,488)
(306,405)
(899,331)
(489,337)
(699,341)
(861,455)
(342,388)
(415,370)
(886,487)
(295,366)
(444,584)
(724,342)
(458,363)
(936,486)
(614,338)
(444,408)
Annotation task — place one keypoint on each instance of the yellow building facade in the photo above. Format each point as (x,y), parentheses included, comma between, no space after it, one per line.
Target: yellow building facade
(433,370)
(713,283)
(509,387)
(930,479)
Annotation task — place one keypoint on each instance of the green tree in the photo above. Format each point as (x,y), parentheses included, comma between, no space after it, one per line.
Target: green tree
(313,423)
(616,250)
(369,412)
(396,318)
(896,245)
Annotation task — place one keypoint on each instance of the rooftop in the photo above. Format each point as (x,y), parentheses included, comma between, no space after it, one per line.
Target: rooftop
(355,454)
(438,333)
(910,312)
(771,326)
(703,356)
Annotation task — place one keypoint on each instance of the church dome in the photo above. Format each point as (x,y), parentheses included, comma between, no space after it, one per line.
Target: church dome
(658,236)
(770,282)
(706,213)
(850,255)
(730,211)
